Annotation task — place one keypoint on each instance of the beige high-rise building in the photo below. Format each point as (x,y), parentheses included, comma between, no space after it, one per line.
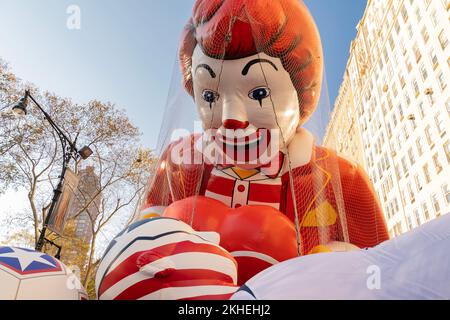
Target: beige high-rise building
(399,73)
(343,133)
(88,188)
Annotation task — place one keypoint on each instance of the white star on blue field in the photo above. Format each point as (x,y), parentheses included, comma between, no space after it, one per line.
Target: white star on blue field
(26,260)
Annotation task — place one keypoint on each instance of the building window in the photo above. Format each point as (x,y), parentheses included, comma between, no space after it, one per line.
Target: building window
(399,143)
(408,64)
(394,120)
(436,205)
(443,40)
(396,206)
(412,196)
(416,87)
(434,59)
(407,99)
(426,212)
(418,183)
(434,17)
(387,209)
(389,129)
(394,89)
(419,146)
(418,15)
(398,229)
(397,171)
(400,112)
(380,64)
(447,150)
(405,166)
(423,72)
(447,106)
(410,31)
(402,81)
(446,193)
(441,80)
(417,216)
(410,225)
(437,163)
(386,56)
(413,124)
(425,34)
(421,111)
(439,123)
(404,13)
(430,99)
(397,27)
(426,172)
(384,190)
(429,136)
(412,159)
(417,53)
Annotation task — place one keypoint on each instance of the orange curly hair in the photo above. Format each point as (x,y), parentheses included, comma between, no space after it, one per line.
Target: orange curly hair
(234,29)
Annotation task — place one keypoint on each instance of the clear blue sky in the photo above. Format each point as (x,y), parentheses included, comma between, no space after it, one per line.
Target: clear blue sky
(126,49)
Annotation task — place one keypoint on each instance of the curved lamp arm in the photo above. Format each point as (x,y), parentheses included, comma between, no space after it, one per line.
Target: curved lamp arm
(69,151)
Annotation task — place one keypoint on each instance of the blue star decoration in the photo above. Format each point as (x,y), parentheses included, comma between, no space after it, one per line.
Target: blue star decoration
(26,261)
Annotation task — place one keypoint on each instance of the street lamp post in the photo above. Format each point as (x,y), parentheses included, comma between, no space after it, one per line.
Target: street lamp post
(70,151)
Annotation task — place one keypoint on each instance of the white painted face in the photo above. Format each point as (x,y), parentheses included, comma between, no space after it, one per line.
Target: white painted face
(240,96)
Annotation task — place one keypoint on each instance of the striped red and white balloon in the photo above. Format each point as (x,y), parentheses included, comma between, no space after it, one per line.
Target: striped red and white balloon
(165,259)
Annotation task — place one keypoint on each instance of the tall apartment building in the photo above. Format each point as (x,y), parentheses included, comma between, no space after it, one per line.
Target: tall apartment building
(399,73)
(343,133)
(88,188)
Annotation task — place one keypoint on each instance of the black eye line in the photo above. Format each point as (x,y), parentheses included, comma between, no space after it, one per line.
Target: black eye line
(256,61)
(208,68)
(260,99)
(216,97)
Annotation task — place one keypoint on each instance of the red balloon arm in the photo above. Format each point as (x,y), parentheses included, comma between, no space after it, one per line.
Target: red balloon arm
(365,221)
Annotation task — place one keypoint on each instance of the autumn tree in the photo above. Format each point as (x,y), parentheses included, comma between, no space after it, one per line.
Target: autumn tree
(31,159)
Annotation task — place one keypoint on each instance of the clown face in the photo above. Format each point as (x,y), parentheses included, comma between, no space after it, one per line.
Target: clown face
(250,102)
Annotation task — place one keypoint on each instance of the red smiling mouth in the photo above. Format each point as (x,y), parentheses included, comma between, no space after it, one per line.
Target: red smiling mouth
(240,141)
(244,149)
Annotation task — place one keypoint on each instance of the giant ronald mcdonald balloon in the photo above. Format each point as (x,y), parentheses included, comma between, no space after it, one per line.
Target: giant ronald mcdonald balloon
(255,68)
(256,176)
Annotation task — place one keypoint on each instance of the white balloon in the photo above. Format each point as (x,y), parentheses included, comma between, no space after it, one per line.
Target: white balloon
(26,274)
(415,265)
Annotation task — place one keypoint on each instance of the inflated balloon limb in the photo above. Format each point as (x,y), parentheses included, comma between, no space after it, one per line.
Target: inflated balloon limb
(253,208)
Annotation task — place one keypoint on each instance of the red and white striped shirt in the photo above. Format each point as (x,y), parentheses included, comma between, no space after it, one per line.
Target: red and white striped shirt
(236,187)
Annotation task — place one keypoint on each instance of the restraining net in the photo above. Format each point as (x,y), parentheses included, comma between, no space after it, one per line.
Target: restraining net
(246,67)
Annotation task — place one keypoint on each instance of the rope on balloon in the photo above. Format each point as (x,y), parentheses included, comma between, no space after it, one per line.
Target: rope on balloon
(200,181)
(289,163)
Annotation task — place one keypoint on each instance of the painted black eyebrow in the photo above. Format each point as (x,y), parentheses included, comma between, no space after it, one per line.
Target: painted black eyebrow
(208,68)
(256,61)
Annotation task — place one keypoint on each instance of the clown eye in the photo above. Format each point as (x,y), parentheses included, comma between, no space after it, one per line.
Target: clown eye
(259,94)
(210,96)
